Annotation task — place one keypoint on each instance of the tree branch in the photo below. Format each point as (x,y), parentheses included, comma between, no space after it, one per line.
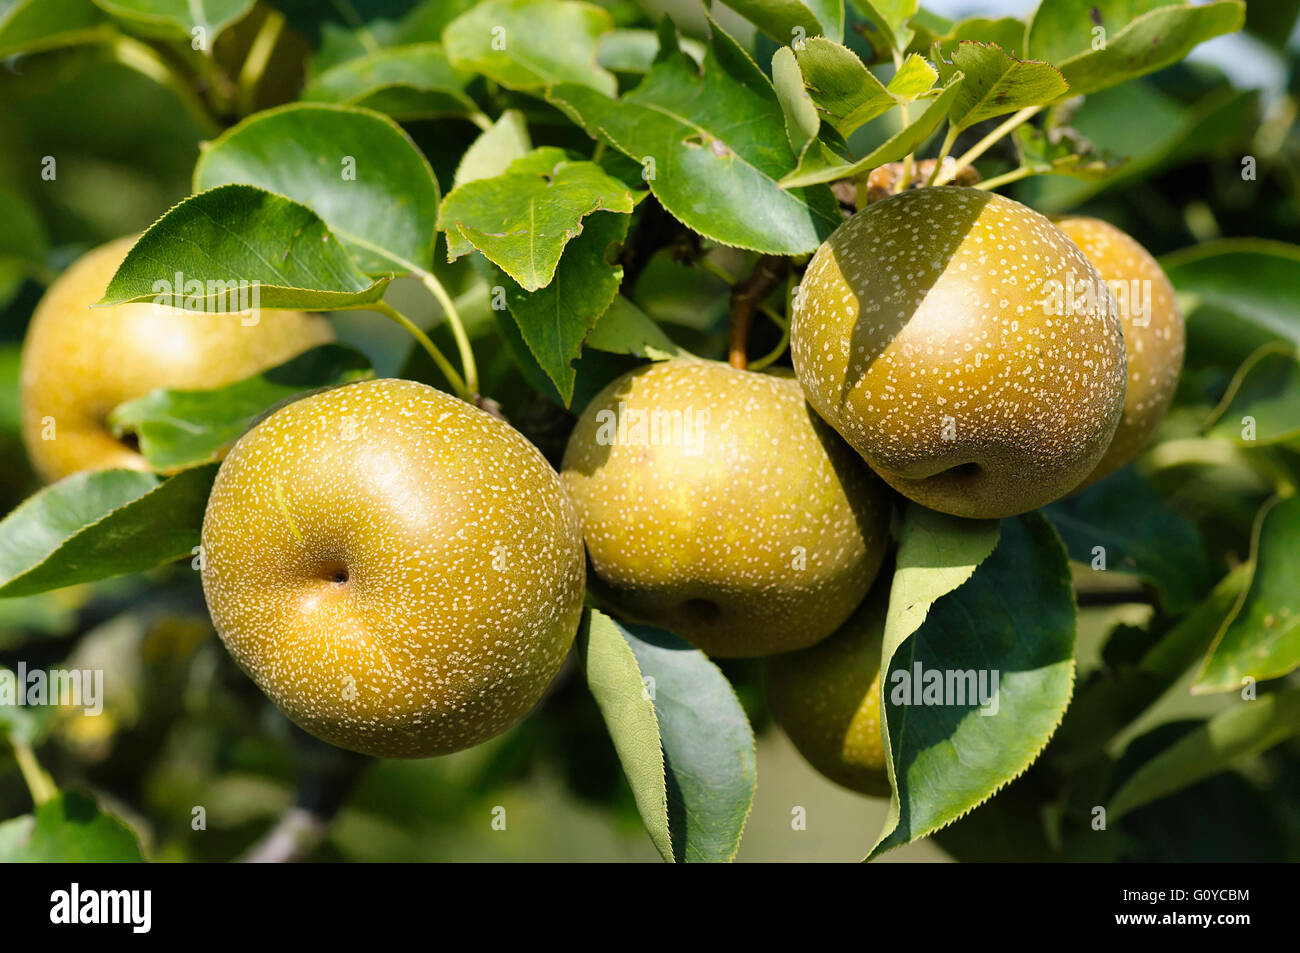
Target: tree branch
(746,296)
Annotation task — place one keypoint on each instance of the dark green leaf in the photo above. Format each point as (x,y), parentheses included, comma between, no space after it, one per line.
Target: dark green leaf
(406,82)
(1262,638)
(522,219)
(707,743)
(68,828)
(814,168)
(1251,278)
(1099,43)
(183,428)
(95,525)
(713,147)
(1139,535)
(179,17)
(354,168)
(555,320)
(239,233)
(996,84)
(1262,404)
(848,93)
(532,44)
(626,329)
(789,21)
(1243,730)
(1015,618)
(29,26)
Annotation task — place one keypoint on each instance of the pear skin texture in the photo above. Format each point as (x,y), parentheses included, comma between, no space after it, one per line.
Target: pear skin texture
(925,331)
(746,526)
(827,700)
(1154,334)
(398,571)
(79,362)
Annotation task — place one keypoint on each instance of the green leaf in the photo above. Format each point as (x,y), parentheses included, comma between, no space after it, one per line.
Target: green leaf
(532,44)
(624,701)
(179,17)
(184,428)
(713,147)
(1262,403)
(1014,617)
(405,82)
(1006,33)
(1261,640)
(1139,533)
(1110,700)
(1246,729)
(801,119)
(30,26)
(842,87)
(708,745)
(496,147)
(239,233)
(1061,151)
(626,329)
(68,828)
(1253,279)
(815,169)
(913,79)
(789,21)
(890,17)
(94,525)
(996,84)
(23,236)
(354,168)
(1065,32)
(554,320)
(522,219)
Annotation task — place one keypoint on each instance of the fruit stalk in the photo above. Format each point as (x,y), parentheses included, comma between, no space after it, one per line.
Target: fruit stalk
(457,382)
(746,296)
(983,146)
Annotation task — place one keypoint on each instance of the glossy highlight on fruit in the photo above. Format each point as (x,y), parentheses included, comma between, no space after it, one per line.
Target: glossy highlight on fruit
(1154,334)
(827,699)
(965,347)
(400,572)
(79,362)
(715,504)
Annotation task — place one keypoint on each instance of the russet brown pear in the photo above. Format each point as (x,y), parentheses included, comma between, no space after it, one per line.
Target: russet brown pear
(965,347)
(400,572)
(79,362)
(1154,334)
(715,504)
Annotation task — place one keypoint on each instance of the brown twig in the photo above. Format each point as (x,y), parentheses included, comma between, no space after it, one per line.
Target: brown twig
(746,296)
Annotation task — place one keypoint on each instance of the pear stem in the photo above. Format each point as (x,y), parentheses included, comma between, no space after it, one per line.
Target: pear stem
(259,55)
(39,783)
(148,62)
(444,365)
(1015,175)
(746,297)
(983,146)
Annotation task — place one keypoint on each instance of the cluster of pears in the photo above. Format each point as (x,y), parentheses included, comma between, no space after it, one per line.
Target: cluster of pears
(403,574)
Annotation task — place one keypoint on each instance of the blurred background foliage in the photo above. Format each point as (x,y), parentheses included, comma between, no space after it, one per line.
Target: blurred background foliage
(182,727)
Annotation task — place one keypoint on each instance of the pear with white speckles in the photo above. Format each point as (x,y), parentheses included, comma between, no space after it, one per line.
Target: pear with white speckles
(827,699)
(965,347)
(78,363)
(1154,335)
(400,572)
(715,504)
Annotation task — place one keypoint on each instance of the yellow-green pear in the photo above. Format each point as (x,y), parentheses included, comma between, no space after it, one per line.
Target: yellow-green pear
(715,504)
(827,699)
(965,347)
(1154,335)
(400,572)
(79,362)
